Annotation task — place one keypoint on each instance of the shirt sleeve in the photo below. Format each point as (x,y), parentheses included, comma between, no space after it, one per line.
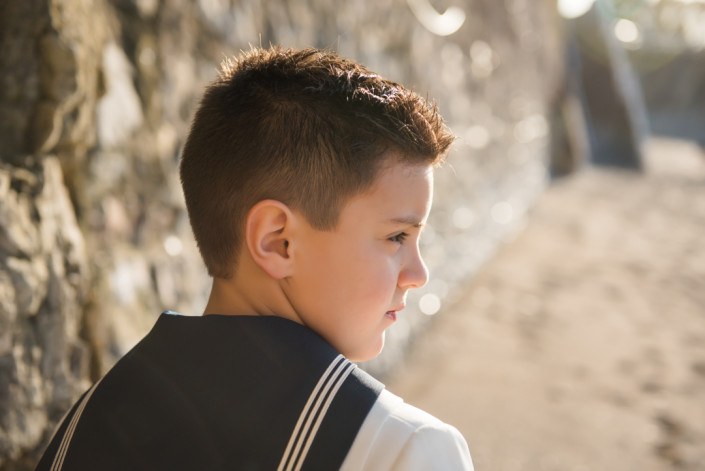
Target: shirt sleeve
(433,447)
(400,437)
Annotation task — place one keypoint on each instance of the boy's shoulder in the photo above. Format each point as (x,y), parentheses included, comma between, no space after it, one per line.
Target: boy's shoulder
(218,390)
(399,436)
(265,390)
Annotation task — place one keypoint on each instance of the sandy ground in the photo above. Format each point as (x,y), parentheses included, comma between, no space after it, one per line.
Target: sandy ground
(581,346)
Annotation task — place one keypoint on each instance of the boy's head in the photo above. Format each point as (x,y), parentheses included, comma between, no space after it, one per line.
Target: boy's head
(303,127)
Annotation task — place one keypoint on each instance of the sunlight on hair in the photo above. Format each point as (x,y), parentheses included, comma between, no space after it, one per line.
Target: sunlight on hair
(574,8)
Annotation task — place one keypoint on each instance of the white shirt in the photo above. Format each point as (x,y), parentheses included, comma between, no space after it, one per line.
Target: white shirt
(397,436)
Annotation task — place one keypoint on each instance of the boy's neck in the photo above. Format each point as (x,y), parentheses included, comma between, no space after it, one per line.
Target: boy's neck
(250,292)
(225,300)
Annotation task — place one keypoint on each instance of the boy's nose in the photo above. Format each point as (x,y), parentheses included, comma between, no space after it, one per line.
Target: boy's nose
(415,273)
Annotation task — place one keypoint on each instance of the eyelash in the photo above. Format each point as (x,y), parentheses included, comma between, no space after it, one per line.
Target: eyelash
(399,238)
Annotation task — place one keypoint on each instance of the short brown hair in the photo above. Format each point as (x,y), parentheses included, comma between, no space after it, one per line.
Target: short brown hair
(304,127)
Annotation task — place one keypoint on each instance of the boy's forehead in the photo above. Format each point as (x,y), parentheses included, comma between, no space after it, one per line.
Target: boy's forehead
(395,163)
(402,177)
(400,194)
(409,220)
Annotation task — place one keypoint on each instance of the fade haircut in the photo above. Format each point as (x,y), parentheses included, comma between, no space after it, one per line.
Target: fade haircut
(304,127)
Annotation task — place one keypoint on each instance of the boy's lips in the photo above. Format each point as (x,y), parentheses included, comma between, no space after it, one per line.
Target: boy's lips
(393,313)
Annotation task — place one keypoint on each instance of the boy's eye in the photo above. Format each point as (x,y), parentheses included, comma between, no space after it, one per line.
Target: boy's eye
(399,238)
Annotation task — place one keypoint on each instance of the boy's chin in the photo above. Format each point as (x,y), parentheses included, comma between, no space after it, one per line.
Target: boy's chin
(368,353)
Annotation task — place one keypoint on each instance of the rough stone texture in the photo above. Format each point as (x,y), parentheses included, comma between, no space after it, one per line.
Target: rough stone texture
(43,361)
(49,72)
(95,100)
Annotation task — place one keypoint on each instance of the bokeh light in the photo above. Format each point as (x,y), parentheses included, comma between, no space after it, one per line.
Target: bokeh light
(574,8)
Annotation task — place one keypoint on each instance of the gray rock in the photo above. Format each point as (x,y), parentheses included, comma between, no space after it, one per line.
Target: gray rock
(43,364)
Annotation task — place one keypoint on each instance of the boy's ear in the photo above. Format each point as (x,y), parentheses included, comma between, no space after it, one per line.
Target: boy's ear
(267,230)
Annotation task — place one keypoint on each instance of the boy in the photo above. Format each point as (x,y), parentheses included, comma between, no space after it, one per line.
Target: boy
(307,180)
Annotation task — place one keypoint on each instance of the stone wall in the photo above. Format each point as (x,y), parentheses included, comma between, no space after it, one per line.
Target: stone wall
(49,70)
(95,101)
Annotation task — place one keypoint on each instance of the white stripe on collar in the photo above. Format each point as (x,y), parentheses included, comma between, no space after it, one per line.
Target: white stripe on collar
(58,462)
(313,413)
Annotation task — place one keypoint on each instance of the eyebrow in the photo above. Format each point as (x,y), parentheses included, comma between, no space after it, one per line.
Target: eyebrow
(408,220)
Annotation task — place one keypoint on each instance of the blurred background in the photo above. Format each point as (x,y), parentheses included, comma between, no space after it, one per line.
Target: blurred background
(564,324)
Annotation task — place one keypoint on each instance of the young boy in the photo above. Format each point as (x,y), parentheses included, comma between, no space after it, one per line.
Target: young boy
(307,181)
